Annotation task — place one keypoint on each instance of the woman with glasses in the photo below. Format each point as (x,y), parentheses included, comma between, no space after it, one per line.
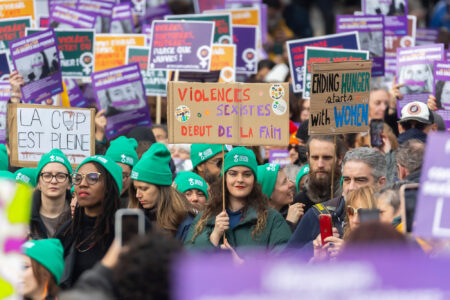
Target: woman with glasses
(51,199)
(87,237)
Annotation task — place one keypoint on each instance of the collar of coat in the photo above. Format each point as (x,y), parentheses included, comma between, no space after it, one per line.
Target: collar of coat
(251,216)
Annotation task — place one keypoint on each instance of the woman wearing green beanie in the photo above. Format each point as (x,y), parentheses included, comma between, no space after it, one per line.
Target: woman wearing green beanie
(43,267)
(151,191)
(87,237)
(247,221)
(193,187)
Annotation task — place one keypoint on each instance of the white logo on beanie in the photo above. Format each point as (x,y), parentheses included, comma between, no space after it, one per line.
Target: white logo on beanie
(126,160)
(271,167)
(134,174)
(238,158)
(193,181)
(203,155)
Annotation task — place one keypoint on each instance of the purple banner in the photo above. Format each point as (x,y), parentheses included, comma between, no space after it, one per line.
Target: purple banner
(120,92)
(396,21)
(5,94)
(371,37)
(442,90)
(36,57)
(415,69)
(245,39)
(426,36)
(433,203)
(122,19)
(63,17)
(102,11)
(76,97)
(181,45)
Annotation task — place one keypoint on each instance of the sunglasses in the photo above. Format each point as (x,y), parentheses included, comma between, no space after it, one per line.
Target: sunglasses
(351,211)
(91,178)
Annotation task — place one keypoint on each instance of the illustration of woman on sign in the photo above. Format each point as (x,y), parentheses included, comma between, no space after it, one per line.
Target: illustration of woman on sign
(39,67)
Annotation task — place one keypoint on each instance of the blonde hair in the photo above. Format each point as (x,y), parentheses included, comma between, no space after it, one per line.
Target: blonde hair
(365,196)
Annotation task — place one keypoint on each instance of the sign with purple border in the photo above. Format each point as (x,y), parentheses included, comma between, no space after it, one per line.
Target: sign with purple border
(120,92)
(122,19)
(155,13)
(396,12)
(12,29)
(426,36)
(245,39)
(76,97)
(442,90)
(63,17)
(4,66)
(102,11)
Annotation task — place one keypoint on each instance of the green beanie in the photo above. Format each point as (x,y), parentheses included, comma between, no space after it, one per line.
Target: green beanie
(123,150)
(154,166)
(26,175)
(186,181)
(55,155)
(3,158)
(267,177)
(202,152)
(7,175)
(47,252)
(303,171)
(114,169)
(241,156)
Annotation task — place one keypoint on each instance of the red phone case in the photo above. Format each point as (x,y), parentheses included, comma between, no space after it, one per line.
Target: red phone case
(325,227)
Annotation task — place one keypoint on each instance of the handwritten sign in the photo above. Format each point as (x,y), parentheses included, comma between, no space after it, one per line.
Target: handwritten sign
(223,59)
(228,113)
(17,8)
(12,29)
(340,97)
(36,129)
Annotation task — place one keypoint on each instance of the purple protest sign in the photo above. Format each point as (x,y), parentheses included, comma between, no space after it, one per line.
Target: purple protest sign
(63,17)
(147,30)
(426,36)
(5,94)
(433,203)
(102,11)
(202,5)
(122,19)
(4,66)
(155,13)
(138,7)
(371,37)
(181,45)
(415,70)
(76,97)
(442,90)
(36,58)
(120,92)
(396,21)
(245,39)
(280,157)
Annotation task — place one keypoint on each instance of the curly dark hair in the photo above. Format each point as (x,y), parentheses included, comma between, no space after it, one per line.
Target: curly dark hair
(144,270)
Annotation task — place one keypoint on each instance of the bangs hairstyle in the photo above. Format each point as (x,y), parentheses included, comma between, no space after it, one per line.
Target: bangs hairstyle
(365,196)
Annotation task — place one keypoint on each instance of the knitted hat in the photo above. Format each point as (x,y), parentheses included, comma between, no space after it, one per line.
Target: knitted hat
(54,155)
(267,177)
(154,166)
(3,158)
(7,175)
(26,175)
(123,150)
(114,169)
(186,181)
(47,252)
(303,171)
(202,152)
(241,156)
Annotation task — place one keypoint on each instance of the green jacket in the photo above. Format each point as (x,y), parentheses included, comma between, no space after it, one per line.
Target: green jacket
(274,236)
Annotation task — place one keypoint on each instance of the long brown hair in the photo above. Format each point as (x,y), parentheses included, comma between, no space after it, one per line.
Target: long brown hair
(366,198)
(44,277)
(214,206)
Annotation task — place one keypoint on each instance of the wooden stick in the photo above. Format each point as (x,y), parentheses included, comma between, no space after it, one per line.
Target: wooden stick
(158,109)
(176,76)
(332,169)
(223,186)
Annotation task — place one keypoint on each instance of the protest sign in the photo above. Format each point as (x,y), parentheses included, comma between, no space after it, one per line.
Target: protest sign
(442,90)
(426,36)
(122,19)
(181,45)
(245,39)
(241,16)
(4,66)
(102,11)
(17,9)
(12,29)
(201,5)
(228,113)
(279,157)
(155,82)
(340,97)
(36,129)
(222,22)
(36,58)
(415,69)
(120,92)
(433,202)
(254,4)
(67,3)
(296,50)
(447,55)
(63,17)
(371,37)
(76,97)
(110,49)
(154,12)
(76,51)
(324,55)
(396,13)
(138,7)
(223,59)
(5,95)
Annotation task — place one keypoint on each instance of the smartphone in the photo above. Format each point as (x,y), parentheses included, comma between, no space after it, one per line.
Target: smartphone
(368,215)
(408,202)
(376,129)
(129,223)
(325,227)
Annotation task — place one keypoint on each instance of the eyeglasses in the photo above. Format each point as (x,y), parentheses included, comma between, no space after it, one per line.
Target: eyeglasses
(351,211)
(91,178)
(217,162)
(48,177)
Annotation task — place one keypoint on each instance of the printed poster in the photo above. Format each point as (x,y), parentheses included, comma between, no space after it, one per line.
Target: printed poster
(12,29)
(17,9)
(122,19)
(223,59)
(396,12)
(4,66)
(442,90)
(102,10)
(245,39)
(64,17)
(76,96)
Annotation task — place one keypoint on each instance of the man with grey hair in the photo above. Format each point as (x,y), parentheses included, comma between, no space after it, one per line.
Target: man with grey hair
(360,167)
(409,159)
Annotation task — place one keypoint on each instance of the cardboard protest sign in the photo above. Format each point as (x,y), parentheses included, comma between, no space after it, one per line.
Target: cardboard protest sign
(5,95)
(12,29)
(296,52)
(415,69)
(371,37)
(324,55)
(433,201)
(4,66)
(340,97)
(36,58)
(395,12)
(76,51)
(181,45)
(222,22)
(36,129)
(110,49)
(17,9)
(120,92)
(245,39)
(223,59)
(76,96)
(102,11)
(426,36)
(228,113)
(155,82)
(442,90)
(122,19)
